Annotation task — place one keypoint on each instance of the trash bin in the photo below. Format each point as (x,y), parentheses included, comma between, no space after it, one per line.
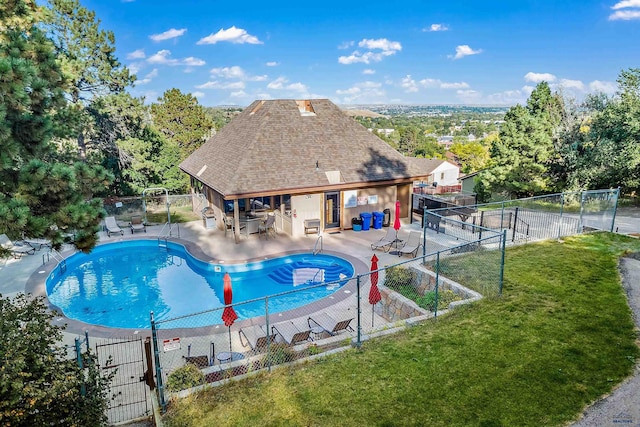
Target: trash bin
(366,220)
(356,224)
(387,217)
(377,220)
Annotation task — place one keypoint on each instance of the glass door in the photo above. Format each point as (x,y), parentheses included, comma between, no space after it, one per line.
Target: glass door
(332,210)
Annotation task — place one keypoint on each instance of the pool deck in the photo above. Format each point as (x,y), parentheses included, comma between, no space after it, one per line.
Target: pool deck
(28,273)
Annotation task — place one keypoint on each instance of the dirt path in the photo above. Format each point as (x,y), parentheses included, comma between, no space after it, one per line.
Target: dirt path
(622,406)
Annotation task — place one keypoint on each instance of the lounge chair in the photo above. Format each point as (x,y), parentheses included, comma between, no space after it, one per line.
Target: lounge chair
(137,224)
(386,241)
(290,333)
(16,250)
(269,226)
(112,226)
(255,337)
(323,322)
(412,244)
(37,243)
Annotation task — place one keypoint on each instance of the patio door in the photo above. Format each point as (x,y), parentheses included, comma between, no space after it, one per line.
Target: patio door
(332,210)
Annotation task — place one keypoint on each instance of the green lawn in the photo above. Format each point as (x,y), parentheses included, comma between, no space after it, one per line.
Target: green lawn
(559,337)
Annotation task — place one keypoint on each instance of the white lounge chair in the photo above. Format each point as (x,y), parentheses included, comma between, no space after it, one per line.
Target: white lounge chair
(112,226)
(290,333)
(269,226)
(255,337)
(16,250)
(413,243)
(137,224)
(386,241)
(326,323)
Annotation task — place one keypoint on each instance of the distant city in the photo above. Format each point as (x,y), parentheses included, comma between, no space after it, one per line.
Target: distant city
(426,110)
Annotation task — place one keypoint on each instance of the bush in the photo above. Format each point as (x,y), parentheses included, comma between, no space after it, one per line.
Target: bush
(398,276)
(186,376)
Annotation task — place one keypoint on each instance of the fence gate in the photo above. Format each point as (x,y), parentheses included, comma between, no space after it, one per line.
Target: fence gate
(128,399)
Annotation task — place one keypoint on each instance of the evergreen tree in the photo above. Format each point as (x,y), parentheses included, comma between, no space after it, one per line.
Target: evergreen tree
(39,197)
(181,120)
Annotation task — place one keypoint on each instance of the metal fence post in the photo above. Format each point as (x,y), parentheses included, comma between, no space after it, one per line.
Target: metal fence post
(435,310)
(156,354)
(83,390)
(561,212)
(503,246)
(358,339)
(266,322)
(579,230)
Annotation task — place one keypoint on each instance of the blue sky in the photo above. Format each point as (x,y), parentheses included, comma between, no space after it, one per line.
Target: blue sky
(409,52)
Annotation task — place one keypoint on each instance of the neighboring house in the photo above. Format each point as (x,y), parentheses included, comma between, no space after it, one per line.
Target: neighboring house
(446,141)
(304,160)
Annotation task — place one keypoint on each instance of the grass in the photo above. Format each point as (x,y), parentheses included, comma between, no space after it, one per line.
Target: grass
(178,214)
(560,337)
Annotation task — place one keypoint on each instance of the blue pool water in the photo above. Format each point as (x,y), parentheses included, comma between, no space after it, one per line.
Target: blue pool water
(118,284)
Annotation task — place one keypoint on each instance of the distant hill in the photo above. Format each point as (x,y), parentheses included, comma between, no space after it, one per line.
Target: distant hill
(362,113)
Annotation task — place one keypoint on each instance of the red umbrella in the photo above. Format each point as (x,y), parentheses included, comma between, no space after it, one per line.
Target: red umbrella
(374,292)
(229,314)
(396,222)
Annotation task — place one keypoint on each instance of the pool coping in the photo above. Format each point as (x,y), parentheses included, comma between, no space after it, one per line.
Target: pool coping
(36,286)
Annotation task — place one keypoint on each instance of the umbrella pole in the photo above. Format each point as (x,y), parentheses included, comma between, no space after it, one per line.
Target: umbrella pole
(230,339)
(373,306)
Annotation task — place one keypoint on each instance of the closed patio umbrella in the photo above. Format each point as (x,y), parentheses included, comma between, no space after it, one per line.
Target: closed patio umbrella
(228,315)
(374,292)
(396,224)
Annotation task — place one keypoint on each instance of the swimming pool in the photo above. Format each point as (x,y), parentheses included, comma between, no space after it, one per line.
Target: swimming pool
(118,284)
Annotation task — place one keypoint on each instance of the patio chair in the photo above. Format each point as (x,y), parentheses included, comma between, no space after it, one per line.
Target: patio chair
(386,242)
(269,226)
(37,243)
(228,225)
(290,333)
(255,337)
(137,224)
(413,243)
(16,250)
(112,226)
(323,322)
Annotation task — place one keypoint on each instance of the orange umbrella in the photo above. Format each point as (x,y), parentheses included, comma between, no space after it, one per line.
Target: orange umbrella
(229,314)
(374,292)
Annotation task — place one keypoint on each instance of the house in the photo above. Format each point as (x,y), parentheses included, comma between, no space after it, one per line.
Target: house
(303,160)
(468,181)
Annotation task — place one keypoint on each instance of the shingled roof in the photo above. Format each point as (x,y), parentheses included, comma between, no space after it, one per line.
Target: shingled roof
(274,147)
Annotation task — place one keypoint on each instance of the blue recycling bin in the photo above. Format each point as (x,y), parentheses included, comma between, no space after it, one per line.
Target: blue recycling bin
(366,220)
(377,220)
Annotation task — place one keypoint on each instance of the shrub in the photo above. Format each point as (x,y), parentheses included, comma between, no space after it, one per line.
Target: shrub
(184,377)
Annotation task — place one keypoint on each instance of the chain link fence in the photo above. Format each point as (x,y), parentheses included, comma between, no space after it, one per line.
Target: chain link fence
(536,218)
(153,208)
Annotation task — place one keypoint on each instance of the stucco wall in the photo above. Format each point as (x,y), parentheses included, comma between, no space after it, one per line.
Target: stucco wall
(304,207)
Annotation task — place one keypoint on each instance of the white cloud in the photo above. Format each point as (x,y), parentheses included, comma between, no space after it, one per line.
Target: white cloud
(526,89)
(468,96)
(198,94)
(272,64)
(136,54)
(605,87)
(235,72)
(437,27)
(386,47)
(221,85)
(539,77)
(408,84)
(147,79)
(368,71)
(240,94)
(454,85)
(282,83)
(346,45)
(193,62)
(571,84)
(464,50)
(169,34)
(626,3)
(163,57)
(508,97)
(231,35)
(134,67)
(437,83)
(624,15)
(362,93)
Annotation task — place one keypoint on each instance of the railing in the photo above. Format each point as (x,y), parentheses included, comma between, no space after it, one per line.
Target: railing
(57,256)
(167,231)
(317,250)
